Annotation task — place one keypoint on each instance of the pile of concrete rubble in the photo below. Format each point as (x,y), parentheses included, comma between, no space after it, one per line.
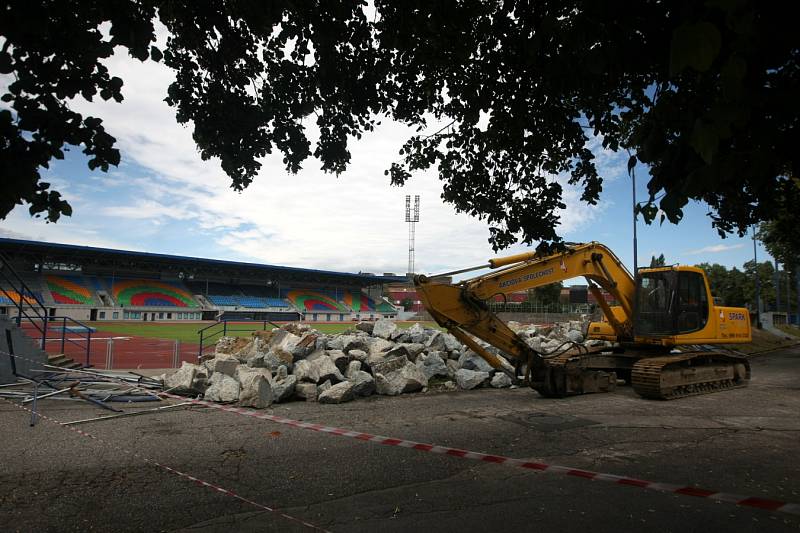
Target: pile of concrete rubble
(297,362)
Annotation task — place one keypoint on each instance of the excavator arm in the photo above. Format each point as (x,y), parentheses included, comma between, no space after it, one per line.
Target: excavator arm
(462,308)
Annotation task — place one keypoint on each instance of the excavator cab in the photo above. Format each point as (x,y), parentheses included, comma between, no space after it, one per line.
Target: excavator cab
(670,301)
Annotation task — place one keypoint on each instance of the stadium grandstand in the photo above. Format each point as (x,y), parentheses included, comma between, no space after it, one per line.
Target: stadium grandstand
(87,283)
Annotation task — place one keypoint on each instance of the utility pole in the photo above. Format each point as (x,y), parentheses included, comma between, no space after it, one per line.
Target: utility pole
(757,281)
(797,293)
(635,254)
(788,295)
(777,287)
(412,217)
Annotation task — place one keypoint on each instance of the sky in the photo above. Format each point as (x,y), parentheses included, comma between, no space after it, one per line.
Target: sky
(163,198)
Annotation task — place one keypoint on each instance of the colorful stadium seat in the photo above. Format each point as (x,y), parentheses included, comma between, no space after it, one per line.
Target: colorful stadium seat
(14,297)
(145,292)
(69,290)
(311,300)
(385,307)
(256,302)
(360,302)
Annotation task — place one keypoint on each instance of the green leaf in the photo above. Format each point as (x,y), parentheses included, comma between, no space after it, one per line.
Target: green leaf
(694,45)
(704,140)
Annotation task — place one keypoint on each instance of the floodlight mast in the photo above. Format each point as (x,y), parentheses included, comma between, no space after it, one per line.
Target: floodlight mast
(412,219)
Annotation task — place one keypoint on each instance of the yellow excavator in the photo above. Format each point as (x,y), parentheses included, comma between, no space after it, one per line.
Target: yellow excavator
(659,330)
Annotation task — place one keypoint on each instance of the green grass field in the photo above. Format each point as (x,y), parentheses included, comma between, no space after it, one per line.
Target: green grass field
(188,332)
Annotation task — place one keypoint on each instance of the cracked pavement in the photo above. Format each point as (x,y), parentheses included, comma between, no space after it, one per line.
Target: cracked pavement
(743,441)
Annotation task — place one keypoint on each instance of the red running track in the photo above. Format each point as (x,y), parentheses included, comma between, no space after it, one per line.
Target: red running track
(128,351)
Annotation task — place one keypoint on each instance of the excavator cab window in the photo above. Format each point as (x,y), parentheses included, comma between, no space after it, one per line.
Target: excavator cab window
(656,303)
(692,302)
(671,302)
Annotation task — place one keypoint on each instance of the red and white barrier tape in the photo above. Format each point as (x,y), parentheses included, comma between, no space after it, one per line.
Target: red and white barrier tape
(736,499)
(744,501)
(171,470)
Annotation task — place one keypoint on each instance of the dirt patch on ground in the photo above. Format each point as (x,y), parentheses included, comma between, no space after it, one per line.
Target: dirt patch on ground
(265,336)
(235,346)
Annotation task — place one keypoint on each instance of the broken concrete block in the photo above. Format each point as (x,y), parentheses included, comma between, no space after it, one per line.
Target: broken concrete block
(415,329)
(230,345)
(384,328)
(451,344)
(223,364)
(470,379)
(326,370)
(340,359)
(358,355)
(363,383)
(284,389)
(256,391)
(366,327)
(575,336)
(242,371)
(339,393)
(407,378)
(408,350)
(306,371)
(222,388)
(335,342)
(501,380)
(385,366)
(282,372)
(355,343)
(535,343)
(306,391)
(432,365)
(277,357)
(376,345)
(401,336)
(283,340)
(436,341)
(182,381)
(305,346)
(472,361)
(323,387)
(352,368)
(452,367)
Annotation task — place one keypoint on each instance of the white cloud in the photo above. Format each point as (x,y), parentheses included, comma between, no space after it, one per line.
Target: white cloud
(716,248)
(351,222)
(68,230)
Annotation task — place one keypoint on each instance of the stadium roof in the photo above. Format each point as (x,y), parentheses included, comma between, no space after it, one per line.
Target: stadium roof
(121,260)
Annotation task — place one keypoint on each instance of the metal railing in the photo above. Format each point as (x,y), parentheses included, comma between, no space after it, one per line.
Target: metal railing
(31,309)
(74,327)
(209,335)
(27,304)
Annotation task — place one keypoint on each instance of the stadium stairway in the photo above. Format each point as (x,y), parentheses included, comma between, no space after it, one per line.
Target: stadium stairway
(62,361)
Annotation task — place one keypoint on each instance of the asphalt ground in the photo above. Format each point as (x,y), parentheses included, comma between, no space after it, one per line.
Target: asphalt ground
(742,441)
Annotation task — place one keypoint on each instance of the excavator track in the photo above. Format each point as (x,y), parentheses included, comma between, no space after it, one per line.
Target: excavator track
(675,376)
(566,374)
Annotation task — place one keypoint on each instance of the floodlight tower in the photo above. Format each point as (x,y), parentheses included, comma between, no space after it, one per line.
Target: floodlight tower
(412,219)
